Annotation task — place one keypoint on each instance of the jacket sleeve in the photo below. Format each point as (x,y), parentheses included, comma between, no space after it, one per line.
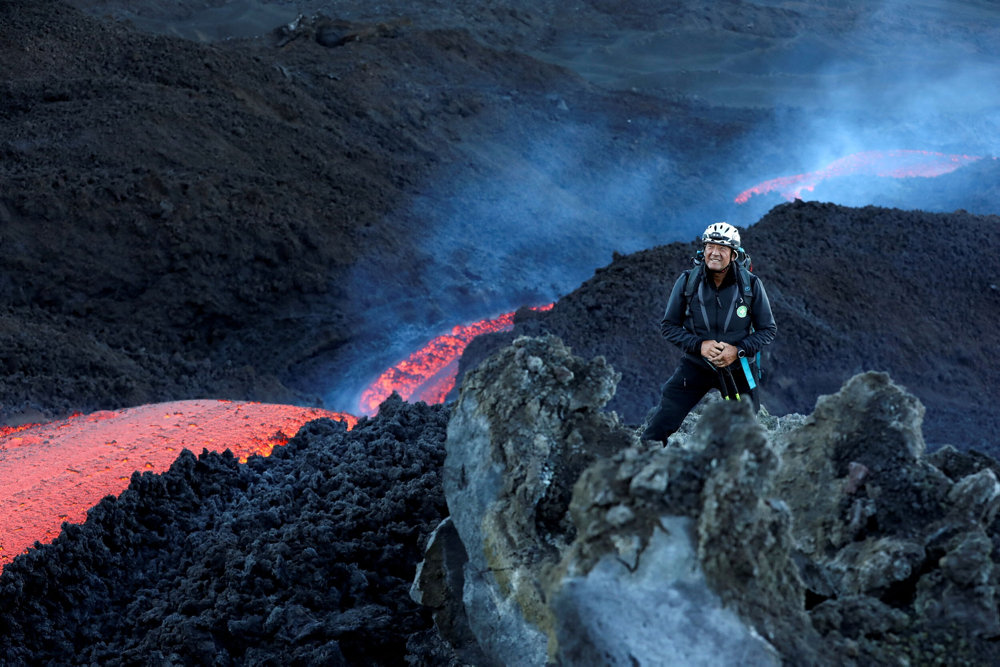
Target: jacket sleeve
(763,322)
(672,324)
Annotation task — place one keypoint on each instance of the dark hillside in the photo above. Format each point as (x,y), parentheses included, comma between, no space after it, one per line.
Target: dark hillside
(281,215)
(912,293)
(237,219)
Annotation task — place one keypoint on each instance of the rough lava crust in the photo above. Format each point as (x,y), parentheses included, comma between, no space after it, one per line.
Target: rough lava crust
(250,218)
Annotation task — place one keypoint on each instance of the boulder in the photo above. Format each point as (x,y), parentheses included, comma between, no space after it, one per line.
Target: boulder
(825,539)
(527,423)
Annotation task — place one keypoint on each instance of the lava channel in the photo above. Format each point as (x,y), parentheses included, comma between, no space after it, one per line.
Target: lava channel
(429,373)
(53,473)
(892,164)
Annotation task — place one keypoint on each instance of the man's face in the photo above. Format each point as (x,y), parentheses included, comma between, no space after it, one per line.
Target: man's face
(717,257)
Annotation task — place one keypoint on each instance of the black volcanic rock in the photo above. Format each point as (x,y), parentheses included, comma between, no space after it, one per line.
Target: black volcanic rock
(183,219)
(860,546)
(301,558)
(237,219)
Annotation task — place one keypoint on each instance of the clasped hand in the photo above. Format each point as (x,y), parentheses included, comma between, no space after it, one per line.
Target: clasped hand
(718,354)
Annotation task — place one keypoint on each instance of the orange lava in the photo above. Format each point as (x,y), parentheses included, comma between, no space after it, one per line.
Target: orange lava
(429,373)
(894,164)
(55,472)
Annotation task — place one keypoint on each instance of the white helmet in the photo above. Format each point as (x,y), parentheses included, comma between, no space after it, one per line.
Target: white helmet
(722,233)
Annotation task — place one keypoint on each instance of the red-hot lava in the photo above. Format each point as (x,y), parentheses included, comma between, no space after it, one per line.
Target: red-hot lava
(429,373)
(55,472)
(894,164)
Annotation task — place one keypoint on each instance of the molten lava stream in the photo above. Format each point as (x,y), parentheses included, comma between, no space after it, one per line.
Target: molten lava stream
(55,472)
(891,164)
(52,473)
(429,373)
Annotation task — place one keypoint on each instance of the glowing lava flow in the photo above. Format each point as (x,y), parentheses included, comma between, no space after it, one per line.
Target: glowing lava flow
(429,373)
(894,164)
(55,472)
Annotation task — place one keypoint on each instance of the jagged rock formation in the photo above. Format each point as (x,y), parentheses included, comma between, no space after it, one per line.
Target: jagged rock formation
(528,426)
(830,539)
(301,558)
(823,540)
(181,220)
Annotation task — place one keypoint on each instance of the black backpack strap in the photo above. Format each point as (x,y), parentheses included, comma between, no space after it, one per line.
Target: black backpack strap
(746,280)
(691,284)
(746,284)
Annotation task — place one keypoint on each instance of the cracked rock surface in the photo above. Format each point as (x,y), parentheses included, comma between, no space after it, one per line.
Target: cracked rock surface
(826,539)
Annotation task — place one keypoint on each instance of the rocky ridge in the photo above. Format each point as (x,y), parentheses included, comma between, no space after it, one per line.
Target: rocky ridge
(182,220)
(532,527)
(830,539)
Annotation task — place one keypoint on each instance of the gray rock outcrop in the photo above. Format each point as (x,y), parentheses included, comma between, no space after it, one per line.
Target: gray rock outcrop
(526,428)
(819,540)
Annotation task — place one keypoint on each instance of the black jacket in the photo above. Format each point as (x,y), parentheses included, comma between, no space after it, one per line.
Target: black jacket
(714,314)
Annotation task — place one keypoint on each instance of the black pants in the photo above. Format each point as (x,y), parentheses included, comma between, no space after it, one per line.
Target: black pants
(689,383)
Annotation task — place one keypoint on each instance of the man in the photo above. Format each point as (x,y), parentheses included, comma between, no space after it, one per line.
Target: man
(721,328)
